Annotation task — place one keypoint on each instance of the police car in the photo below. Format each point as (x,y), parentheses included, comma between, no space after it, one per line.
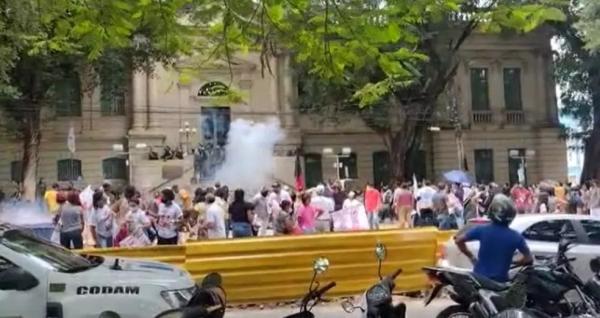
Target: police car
(39,279)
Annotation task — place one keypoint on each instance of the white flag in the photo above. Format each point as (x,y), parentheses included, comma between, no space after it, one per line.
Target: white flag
(415,185)
(71,140)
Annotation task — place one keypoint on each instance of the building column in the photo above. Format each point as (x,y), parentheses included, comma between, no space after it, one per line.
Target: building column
(155,110)
(496,91)
(139,100)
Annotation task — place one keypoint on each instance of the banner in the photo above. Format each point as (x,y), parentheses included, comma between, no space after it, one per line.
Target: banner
(350,219)
(71,140)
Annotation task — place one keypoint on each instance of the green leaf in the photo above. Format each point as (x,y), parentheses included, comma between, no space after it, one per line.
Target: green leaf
(275,12)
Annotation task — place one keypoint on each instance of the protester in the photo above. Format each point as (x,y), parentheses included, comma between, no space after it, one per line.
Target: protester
(215,219)
(274,200)
(324,204)
(183,198)
(372,205)
(222,199)
(425,215)
(574,201)
(169,219)
(121,206)
(200,207)
(286,224)
(307,214)
(71,222)
(137,223)
(241,215)
(261,210)
(403,204)
(50,199)
(101,221)
(594,199)
(339,196)
(108,193)
(522,198)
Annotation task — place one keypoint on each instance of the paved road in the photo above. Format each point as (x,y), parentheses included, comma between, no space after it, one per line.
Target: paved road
(334,310)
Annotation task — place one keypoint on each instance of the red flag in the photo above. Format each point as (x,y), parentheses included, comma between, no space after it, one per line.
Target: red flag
(298,174)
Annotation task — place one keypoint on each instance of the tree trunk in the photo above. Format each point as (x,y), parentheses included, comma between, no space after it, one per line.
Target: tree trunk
(591,161)
(591,164)
(31,148)
(401,145)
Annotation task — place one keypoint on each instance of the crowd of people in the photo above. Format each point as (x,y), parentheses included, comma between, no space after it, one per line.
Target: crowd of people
(104,218)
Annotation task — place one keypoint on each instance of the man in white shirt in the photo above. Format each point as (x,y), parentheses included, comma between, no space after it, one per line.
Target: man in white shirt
(215,219)
(425,196)
(324,204)
(169,219)
(274,200)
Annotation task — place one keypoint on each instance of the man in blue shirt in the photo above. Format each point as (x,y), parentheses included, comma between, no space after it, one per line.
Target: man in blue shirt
(497,242)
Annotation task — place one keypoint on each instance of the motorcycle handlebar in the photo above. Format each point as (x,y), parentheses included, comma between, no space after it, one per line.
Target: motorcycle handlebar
(396,273)
(320,292)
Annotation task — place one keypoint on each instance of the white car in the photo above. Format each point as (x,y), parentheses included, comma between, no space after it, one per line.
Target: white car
(40,279)
(541,233)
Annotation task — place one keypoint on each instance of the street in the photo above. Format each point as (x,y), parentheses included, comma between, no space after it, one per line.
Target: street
(416,309)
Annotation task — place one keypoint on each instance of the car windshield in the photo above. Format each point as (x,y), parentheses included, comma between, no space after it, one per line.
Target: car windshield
(48,254)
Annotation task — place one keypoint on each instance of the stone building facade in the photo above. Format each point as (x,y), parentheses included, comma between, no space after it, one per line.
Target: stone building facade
(506,104)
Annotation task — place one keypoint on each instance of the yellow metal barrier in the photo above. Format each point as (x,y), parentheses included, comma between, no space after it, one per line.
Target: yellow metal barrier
(280,268)
(442,238)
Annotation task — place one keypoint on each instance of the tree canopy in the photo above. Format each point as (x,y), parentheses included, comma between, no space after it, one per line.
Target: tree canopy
(388,61)
(589,24)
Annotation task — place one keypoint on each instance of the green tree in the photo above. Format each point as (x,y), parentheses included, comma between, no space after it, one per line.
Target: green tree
(45,41)
(578,74)
(388,61)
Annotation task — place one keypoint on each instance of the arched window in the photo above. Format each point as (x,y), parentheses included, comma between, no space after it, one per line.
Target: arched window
(69,169)
(213,89)
(16,170)
(114,168)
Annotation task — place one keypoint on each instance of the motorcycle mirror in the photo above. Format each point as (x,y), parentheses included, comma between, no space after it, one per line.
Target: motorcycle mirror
(380,251)
(320,265)
(595,265)
(348,306)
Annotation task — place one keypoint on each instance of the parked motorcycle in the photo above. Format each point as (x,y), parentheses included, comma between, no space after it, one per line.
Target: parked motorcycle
(313,297)
(592,287)
(541,288)
(377,300)
(209,301)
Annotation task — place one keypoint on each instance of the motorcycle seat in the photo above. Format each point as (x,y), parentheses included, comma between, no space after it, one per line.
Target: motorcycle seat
(490,284)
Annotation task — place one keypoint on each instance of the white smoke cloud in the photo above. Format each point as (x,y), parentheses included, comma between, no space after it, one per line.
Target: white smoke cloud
(249,162)
(23,213)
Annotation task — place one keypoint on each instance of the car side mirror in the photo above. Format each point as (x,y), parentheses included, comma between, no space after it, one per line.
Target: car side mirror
(15,278)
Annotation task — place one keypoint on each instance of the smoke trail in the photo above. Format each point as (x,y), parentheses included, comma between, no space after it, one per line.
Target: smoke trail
(23,213)
(249,162)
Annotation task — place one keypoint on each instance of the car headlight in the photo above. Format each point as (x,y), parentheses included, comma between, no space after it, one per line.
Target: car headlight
(178,298)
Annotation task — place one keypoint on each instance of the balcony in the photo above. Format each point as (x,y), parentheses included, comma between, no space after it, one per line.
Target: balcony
(514,117)
(482,117)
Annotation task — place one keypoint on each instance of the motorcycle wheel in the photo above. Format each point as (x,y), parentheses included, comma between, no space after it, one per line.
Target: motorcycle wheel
(455,311)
